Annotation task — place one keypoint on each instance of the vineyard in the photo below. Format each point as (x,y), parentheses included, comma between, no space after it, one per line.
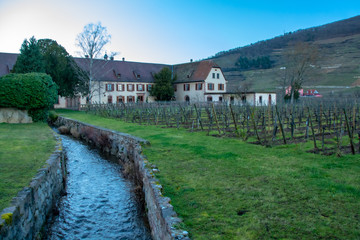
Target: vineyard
(331,126)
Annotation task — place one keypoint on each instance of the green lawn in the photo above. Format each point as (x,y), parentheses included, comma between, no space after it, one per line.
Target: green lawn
(24,148)
(227,189)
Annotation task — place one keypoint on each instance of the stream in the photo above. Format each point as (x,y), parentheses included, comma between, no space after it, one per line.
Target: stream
(99,203)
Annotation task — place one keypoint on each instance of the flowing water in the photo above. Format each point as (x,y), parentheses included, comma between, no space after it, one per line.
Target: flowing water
(99,203)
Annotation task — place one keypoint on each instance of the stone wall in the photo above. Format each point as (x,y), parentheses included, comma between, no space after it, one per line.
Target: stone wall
(13,115)
(28,211)
(128,150)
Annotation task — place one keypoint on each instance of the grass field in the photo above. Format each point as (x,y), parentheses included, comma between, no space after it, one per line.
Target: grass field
(24,148)
(227,189)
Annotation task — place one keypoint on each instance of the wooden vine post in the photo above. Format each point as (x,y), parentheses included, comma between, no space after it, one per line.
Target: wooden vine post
(350,133)
(216,120)
(281,126)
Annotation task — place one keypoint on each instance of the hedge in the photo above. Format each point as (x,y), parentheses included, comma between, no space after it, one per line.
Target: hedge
(35,92)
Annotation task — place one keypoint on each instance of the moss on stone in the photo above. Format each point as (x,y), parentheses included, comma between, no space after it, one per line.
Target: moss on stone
(7,217)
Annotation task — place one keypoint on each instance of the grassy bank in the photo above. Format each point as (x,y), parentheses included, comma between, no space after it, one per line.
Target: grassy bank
(227,189)
(24,148)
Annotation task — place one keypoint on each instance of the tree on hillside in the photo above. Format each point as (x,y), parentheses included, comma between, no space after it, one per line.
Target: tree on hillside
(300,59)
(163,89)
(30,58)
(62,68)
(92,41)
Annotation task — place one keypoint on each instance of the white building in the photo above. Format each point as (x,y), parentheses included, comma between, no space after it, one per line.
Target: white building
(199,82)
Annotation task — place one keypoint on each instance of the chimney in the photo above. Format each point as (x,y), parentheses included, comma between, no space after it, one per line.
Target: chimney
(105,56)
(123,59)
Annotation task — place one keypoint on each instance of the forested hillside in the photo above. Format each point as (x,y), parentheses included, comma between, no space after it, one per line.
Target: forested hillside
(261,65)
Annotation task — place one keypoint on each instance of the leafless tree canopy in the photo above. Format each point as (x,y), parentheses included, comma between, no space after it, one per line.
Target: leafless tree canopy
(300,59)
(92,40)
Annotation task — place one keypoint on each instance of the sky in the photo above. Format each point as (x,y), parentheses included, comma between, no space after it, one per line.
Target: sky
(164,31)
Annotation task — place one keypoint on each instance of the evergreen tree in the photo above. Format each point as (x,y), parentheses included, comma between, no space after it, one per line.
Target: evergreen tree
(61,67)
(30,58)
(163,88)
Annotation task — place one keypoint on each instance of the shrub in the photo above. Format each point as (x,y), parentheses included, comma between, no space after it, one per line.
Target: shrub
(35,92)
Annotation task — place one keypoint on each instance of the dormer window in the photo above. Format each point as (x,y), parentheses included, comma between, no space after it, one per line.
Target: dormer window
(118,75)
(138,76)
(188,76)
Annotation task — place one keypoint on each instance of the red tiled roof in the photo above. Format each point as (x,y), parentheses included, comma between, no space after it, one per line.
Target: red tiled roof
(194,71)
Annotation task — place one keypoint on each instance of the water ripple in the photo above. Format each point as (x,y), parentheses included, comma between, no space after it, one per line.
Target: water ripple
(99,203)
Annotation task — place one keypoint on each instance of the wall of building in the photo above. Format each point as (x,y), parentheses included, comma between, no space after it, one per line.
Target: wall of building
(28,211)
(127,149)
(193,94)
(252,99)
(120,89)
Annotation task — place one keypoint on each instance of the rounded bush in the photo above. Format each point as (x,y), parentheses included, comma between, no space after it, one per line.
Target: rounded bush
(35,92)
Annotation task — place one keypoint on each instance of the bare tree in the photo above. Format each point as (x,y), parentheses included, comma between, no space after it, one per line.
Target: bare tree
(243,89)
(300,59)
(92,41)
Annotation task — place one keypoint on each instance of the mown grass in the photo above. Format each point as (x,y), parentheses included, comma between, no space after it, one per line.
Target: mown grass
(227,189)
(24,148)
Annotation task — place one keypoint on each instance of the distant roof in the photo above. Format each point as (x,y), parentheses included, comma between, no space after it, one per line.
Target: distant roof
(104,70)
(121,71)
(7,62)
(194,71)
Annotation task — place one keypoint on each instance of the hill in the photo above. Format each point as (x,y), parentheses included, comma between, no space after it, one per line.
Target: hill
(336,71)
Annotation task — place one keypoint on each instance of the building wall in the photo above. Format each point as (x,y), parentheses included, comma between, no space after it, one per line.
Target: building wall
(193,94)
(127,91)
(252,99)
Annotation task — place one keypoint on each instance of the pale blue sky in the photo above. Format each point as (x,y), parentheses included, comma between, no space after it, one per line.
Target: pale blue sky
(165,31)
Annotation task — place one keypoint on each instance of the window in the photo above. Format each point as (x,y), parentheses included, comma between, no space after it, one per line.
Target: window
(175,88)
(243,99)
(209,99)
(120,87)
(213,75)
(119,99)
(269,101)
(110,99)
(260,99)
(186,87)
(210,86)
(140,98)
(220,99)
(232,100)
(198,86)
(130,87)
(109,87)
(187,98)
(149,86)
(140,87)
(218,75)
(130,99)
(221,86)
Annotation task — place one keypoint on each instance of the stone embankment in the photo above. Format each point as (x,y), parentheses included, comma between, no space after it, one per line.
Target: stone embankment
(13,115)
(27,213)
(162,218)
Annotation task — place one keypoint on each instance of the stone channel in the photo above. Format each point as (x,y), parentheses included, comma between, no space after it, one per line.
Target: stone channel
(99,202)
